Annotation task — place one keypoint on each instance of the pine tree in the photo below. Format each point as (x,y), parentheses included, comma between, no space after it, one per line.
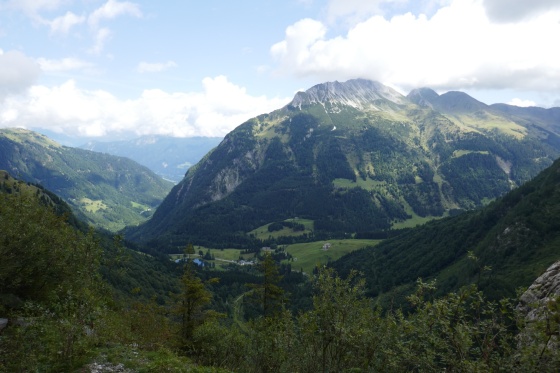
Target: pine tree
(269,294)
(192,300)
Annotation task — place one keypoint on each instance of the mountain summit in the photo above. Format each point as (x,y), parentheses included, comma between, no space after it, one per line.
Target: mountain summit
(450,102)
(352,158)
(357,93)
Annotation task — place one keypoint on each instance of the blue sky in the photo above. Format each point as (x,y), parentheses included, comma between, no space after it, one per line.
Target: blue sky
(114,68)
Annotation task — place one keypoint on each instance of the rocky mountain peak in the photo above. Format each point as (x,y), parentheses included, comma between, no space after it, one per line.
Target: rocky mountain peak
(452,102)
(357,93)
(423,97)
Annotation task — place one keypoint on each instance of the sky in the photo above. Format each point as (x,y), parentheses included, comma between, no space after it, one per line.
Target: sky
(115,69)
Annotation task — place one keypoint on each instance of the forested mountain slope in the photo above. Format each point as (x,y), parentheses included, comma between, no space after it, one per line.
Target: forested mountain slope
(512,241)
(353,157)
(110,192)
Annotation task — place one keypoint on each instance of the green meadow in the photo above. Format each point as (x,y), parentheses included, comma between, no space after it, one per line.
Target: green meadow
(307,255)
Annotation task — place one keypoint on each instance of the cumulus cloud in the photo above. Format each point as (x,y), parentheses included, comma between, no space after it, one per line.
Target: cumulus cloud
(17,72)
(458,47)
(215,111)
(146,67)
(511,11)
(522,103)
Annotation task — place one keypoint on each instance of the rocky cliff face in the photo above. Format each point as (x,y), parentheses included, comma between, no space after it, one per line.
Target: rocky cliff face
(535,302)
(540,306)
(357,93)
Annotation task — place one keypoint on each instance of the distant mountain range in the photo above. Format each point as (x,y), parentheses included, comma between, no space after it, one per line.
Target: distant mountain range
(105,190)
(355,157)
(169,157)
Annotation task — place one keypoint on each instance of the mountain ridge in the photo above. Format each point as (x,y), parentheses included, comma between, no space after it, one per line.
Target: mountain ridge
(355,161)
(358,93)
(110,191)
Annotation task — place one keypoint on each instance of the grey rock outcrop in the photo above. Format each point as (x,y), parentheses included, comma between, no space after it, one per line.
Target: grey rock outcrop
(539,309)
(358,93)
(545,289)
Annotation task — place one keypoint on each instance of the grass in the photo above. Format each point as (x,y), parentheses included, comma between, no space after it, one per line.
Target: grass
(367,184)
(139,206)
(92,206)
(490,121)
(460,153)
(21,135)
(415,220)
(222,258)
(262,232)
(308,255)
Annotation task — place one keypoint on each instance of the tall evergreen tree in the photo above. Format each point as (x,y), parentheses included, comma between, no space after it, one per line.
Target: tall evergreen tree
(270,296)
(192,301)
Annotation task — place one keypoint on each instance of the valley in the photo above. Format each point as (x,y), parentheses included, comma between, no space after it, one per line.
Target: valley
(349,224)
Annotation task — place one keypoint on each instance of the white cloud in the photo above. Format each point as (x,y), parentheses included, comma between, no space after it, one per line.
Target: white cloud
(457,48)
(215,111)
(355,10)
(17,72)
(32,7)
(522,103)
(112,9)
(511,11)
(64,23)
(101,37)
(64,64)
(146,67)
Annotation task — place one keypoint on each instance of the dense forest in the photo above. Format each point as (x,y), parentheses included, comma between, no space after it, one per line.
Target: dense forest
(75,298)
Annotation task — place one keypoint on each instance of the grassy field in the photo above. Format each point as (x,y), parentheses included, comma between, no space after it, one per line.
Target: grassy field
(140,206)
(92,206)
(262,232)
(308,255)
(460,153)
(222,258)
(367,184)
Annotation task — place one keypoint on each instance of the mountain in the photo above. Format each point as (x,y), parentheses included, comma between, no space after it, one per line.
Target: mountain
(169,157)
(512,241)
(353,157)
(108,191)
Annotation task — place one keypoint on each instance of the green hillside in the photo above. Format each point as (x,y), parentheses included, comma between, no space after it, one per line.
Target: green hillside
(514,239)
(108,191)
(352,157)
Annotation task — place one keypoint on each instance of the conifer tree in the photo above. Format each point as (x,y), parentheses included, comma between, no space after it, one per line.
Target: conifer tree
(270,296)
(192,300)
